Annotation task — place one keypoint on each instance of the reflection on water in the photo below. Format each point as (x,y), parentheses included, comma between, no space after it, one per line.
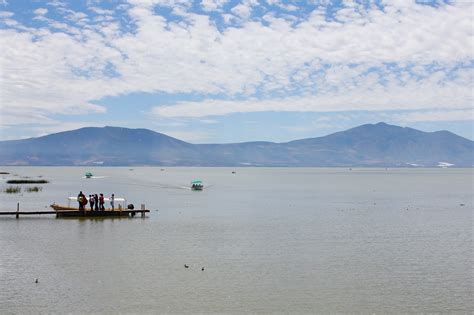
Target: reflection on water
(271,240)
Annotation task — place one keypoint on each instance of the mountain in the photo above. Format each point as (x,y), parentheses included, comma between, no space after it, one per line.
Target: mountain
(368,145)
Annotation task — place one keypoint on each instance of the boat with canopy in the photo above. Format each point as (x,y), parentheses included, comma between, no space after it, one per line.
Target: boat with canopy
(197,185)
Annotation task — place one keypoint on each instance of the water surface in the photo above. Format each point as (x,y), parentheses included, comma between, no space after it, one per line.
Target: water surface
(271,240)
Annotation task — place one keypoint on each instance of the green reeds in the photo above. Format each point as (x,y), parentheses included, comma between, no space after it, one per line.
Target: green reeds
(34,189)
(13,190)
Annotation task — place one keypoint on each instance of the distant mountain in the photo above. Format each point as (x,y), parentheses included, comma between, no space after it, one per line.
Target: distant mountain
(379,145)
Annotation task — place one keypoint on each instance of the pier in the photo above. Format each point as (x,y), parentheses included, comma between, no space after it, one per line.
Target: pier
(75,213)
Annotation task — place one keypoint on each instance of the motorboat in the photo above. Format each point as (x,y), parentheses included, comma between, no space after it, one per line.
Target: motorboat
(197,185)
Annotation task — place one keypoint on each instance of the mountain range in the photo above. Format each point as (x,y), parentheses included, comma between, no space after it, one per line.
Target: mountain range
(370,145)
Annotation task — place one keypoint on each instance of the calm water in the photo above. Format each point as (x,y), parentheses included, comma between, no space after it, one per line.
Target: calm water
(271,240)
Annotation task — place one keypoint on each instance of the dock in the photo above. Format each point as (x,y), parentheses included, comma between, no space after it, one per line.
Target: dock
(75,213)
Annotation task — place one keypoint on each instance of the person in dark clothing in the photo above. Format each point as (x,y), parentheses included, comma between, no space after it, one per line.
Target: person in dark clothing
(96,202)
(91,202)
(112,202)
(80,199)
(101,202)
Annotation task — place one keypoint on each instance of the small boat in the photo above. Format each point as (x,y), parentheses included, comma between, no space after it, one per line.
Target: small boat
(122,210)
(88,175)
(121,204)
(197,185)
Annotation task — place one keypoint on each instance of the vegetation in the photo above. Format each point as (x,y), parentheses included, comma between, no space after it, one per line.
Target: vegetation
(27,181)
(34,189)
(13,190)
(4,173)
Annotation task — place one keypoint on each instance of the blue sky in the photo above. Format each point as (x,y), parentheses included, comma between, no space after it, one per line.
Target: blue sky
(218,71)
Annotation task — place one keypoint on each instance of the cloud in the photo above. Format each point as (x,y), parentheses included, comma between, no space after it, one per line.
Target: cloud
(6,14)
(100,11)
(369,96)
(243,10)
(405,56)
(57,3)
(40,11)
(213,5)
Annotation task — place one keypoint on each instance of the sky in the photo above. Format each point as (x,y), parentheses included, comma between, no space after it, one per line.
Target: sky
(222,71)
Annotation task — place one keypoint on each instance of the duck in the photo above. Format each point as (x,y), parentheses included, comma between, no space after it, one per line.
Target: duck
(186,266)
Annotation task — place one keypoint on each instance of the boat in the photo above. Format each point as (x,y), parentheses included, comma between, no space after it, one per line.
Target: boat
(197,185)
(122,209)
(121,203)
(88,175)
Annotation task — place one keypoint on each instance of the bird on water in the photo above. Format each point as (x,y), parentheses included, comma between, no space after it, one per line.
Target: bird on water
(36,280)
(186,266)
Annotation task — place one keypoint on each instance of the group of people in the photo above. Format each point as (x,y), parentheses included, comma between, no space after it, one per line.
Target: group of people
(95,201)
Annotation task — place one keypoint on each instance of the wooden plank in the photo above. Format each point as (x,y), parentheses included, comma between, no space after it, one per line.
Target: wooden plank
(27,212)
(70,212)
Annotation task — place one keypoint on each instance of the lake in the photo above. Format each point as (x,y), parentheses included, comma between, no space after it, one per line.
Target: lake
(271,240)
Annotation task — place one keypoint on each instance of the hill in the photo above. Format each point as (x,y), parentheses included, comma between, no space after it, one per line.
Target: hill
(372,145)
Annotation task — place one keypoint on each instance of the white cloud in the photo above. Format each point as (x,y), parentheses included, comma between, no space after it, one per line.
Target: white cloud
(281,5)
(40,11)
(326,65)
(6,14)
(165,3)
(396,97)
(100,11)
(57,3)
(243,10)
(76,16)
(213,5)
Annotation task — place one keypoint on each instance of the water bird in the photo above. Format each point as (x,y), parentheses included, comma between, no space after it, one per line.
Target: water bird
(186,266)
(202,269)
(36,280)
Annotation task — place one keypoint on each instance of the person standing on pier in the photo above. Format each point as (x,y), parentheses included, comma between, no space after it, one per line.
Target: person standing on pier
(96,202)
(101,202)
(80,199)
(112,200)
(91,202)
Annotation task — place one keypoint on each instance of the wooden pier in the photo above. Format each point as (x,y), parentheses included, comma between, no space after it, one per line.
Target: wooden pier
(80,213)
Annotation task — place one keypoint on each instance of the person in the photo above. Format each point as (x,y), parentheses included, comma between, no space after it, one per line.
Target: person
(101,202)
(84,202)
(112,200)
(80,200)
(91,202)
(96,202)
